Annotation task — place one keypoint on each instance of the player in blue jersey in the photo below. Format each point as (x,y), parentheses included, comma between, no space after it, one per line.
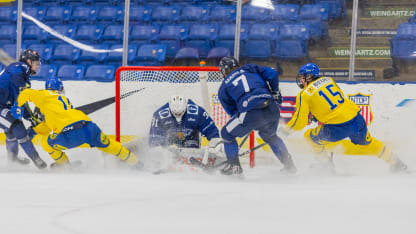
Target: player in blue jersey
(250,95)
(180,122)
(13,79)
(340,118)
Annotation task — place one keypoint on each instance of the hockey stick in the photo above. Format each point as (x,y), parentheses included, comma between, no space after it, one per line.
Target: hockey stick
(93,107)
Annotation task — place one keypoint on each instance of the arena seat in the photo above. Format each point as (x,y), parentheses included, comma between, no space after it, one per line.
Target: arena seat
(337,8)
(261,40)
(194,14)
(285,13)
(252,14)
(115,58)
(151,55)
(84,14)
(165,14)
(172,36)
(10,49)
(113,34)
(100,73)
(36,12)
(71,72)
(89,33)
(8,15)
(403,44)
(140,15)
(144,34)
(7,33)
(202,37)
(226,35)
(216,54)
(222,14)
(58,14)
(66,30)
(292,42)
(65,54)
(110,14)
(46,71)
(87,57)
(316,17)
(44,50)
(33,34)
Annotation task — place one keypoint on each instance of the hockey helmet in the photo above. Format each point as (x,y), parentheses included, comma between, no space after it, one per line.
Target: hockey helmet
(32,56)
(309,72)
(55,84)
(177,106)
(227,65)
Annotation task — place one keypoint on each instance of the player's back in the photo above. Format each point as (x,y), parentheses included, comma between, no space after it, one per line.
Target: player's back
(327,102)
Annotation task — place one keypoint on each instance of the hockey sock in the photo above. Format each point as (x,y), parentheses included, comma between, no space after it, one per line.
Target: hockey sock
(12,147)
(231,151)
(116,149)
(28,147)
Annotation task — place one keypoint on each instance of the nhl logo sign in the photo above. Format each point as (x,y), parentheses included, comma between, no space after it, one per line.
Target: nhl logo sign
(363,101)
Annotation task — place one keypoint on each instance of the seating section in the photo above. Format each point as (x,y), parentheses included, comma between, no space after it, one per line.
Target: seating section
(403,44)
(169,32)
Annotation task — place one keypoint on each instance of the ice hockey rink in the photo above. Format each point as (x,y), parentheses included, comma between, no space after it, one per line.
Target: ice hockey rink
(363,197)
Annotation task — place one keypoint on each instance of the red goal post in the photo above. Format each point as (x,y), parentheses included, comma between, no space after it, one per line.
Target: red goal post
(140,90)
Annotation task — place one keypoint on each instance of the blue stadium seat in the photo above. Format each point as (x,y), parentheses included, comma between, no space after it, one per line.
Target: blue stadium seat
(44,50)
(144,34)
(63,29)
(252,14)
(216,54)
(71,72)
(115,58)
(7,33)
(222,14)
(113,34)
(186,57)
(100,73)
(65,54)
(292,42)
(10,49)
(8,15)
(140,15)
(58,14)
(337,8)
(1,67)
(173,36)
(46,71)
(403,44)
(88,57)
(33,34)
(261,41)
(151,55)
(202,37)
(84,14)
(182,2)
(110,14)
(194,14)
(285,13)
(226,35)
(165,14)
(156,2)
(413,18)
(316,17)
(89,33)
(36,12)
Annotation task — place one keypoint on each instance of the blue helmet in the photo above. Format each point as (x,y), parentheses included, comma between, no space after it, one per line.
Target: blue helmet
(309,72)
(54,84)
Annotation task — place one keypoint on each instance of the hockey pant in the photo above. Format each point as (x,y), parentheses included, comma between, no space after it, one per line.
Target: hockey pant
(323,137)
(265,120)
(16,134)
(84,132)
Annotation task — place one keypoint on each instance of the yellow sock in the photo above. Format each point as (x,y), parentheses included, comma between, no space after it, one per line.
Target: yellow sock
(116,149)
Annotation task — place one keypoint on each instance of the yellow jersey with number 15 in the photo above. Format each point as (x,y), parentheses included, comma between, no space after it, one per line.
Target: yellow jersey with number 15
(324,100)
(57,109)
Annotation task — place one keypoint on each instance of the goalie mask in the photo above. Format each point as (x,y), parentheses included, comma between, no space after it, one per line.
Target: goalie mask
(177,106)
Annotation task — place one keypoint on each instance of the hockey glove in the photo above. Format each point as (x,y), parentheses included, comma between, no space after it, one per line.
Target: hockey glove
(17,111)
(277,96)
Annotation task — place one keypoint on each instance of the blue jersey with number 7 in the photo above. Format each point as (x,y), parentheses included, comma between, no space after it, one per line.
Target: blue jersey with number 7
(247,87)
(324,100)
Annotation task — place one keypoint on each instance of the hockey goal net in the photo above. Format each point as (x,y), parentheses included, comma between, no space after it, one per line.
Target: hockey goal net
(142,90)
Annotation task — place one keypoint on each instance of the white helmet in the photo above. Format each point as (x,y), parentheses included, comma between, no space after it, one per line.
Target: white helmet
(177,106)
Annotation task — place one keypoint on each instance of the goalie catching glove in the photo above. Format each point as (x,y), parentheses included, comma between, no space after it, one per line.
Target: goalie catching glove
(216,146)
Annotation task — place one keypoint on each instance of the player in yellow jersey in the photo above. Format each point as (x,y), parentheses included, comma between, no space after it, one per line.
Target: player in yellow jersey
(65,127)
(340,118)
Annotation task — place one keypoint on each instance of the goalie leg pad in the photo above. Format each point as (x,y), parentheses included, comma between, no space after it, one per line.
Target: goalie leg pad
(116,149)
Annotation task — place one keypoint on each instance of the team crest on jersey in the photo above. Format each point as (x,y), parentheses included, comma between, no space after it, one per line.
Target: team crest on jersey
(363,101)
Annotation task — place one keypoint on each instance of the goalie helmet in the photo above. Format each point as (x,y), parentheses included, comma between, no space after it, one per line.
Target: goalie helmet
(177,106)
(33,57)
(227,65)
(55,84)
(308,73)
